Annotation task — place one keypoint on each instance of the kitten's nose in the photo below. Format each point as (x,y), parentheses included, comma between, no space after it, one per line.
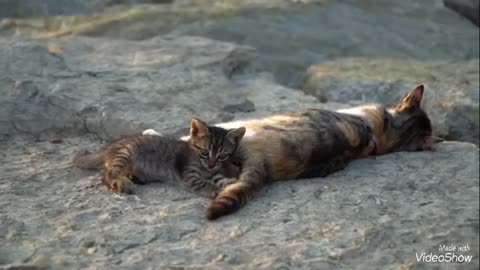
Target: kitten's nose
(211,164)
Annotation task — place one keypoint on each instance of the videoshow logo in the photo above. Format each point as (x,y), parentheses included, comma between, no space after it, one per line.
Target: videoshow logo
(446,254)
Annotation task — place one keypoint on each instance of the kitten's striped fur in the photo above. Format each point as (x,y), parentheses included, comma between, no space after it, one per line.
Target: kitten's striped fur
(315,143)
(202,164)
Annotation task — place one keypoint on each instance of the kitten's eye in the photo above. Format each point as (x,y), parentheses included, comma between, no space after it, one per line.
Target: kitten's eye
(222,156)
(204,153)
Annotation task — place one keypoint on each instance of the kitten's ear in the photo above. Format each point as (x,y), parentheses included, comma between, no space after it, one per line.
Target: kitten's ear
(236,135)
(412,99)
(198,128)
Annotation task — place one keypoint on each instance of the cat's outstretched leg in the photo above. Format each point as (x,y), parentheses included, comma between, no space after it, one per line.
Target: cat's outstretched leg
(236,195)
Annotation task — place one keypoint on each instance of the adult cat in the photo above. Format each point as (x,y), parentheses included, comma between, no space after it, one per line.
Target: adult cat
(315,143)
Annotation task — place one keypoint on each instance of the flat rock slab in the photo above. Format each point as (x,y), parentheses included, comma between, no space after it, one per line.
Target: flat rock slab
(113,88)
(385,209)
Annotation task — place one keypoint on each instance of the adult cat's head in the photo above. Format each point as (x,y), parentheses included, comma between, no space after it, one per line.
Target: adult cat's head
(402,127)
(214,145)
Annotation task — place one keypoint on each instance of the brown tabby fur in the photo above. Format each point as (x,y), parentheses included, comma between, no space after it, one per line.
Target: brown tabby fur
(202,164)
(315,143)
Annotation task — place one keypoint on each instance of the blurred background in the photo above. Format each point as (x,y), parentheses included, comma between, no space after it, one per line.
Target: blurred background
(290,35)
(336,50)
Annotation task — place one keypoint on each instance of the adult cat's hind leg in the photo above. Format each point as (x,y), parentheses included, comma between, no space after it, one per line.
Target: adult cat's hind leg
(117,181)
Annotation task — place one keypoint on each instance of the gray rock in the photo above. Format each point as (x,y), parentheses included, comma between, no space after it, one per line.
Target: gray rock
(64,88)
(245,106)
(291,39)
(35,8)
(469,9)
(451,97)
(289,35)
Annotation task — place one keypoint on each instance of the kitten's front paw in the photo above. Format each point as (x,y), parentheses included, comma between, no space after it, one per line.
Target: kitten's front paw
(213,194)
(122,185)
(221,183)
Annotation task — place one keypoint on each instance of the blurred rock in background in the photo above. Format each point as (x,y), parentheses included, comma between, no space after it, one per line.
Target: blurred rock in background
(42,8)
(396,43)
(470,9)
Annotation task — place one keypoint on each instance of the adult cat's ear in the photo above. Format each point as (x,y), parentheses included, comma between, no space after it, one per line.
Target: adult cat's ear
(198,128)
(236,135)
(412,99)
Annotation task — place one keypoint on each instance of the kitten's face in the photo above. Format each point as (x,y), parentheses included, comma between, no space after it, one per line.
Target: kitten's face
(409,125)
(213,145)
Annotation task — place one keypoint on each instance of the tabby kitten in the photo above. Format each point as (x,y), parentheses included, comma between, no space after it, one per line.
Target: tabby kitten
(316,143)
(202,164)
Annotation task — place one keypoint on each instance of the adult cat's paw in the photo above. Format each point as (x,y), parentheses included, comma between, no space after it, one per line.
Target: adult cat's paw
(122,185)
(222,205)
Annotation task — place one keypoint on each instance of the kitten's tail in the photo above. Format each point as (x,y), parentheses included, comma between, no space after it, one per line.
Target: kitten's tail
(232,198)
(89,161)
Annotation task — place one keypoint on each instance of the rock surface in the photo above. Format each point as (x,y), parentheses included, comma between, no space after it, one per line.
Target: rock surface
(59,96)
(35,8)
(65,88)
(385,209)
(289,35)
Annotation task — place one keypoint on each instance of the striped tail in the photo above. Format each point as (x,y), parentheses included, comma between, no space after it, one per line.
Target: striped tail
(89,161)
(232,198)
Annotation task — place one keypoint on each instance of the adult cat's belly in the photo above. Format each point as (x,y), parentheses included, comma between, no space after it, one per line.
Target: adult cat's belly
(284,153)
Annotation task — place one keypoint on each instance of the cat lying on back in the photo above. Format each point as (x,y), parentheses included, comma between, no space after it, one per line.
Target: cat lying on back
(202,164)
(315,143)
